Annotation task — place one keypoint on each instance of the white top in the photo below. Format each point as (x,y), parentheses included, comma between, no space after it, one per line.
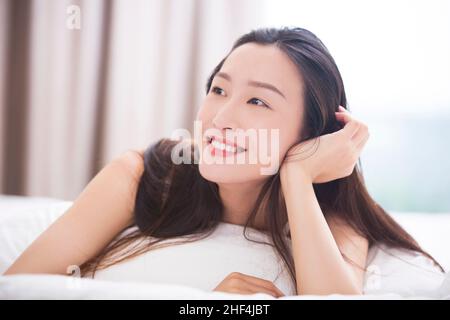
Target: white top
(205,263)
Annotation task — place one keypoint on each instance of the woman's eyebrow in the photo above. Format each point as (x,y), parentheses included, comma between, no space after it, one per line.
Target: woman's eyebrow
(253,83)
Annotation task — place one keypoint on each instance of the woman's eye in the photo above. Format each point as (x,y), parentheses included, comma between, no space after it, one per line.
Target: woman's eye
(261,103)
(220,91)
(217,90)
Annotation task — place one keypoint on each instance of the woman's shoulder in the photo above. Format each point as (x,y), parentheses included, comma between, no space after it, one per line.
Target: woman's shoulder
(132,161)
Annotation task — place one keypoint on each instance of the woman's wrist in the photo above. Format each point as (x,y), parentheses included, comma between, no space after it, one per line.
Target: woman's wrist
(292,173)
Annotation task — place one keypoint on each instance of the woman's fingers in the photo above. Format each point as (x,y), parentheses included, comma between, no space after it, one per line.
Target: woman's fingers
(350,129)
(351,126)
(271,289)
(253,288)
(262,283)
(353,129)
(361,134)
(362,143)
(343,115)
(241,283)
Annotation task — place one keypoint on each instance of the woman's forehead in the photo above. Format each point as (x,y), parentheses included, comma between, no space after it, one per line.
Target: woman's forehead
(265,63)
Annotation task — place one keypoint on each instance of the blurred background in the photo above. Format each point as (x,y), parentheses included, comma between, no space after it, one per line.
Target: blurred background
(83,81)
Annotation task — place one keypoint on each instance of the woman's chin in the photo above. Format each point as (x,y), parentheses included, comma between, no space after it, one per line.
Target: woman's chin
(229,173)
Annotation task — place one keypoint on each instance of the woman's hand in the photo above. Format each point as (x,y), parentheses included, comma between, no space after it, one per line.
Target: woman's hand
(244,284)
(330,156)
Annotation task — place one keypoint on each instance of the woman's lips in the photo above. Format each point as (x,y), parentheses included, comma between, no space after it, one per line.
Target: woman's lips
(224,148)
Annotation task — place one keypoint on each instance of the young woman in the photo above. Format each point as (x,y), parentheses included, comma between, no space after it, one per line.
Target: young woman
(272,79)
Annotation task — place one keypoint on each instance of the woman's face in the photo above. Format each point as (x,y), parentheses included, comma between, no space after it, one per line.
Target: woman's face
(254,106)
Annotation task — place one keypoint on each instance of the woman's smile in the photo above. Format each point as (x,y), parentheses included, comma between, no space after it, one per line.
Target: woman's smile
(222,147)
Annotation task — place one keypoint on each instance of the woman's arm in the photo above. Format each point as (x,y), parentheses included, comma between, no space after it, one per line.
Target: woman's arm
(102,210)
(318,244)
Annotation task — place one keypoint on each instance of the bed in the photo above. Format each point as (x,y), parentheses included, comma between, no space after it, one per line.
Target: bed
(22,219)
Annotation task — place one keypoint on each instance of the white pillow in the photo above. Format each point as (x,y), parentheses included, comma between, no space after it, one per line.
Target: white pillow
(21,221)
(204,263)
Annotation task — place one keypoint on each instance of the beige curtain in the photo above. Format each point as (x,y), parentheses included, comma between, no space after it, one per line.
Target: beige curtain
(73,99)
(4,21)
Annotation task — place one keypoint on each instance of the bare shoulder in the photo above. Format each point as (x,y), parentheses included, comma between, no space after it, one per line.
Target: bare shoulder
(132,161)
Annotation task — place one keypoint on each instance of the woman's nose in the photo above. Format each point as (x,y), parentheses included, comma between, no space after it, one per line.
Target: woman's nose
(226,118)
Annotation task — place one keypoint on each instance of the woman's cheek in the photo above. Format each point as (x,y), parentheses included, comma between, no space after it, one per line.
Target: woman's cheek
(201,114)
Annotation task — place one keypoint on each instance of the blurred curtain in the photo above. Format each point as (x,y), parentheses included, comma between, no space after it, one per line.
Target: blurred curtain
(73,99)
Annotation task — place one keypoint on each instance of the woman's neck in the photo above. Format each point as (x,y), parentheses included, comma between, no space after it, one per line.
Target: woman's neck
(238,200)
